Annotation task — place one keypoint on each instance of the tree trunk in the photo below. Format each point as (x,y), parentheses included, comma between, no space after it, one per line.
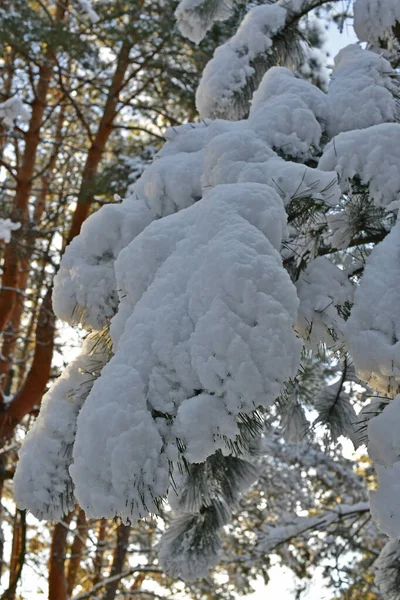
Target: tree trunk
(34,386)
(118,560)
(57,581)
(35,383)
(85,196)
(12,254)
(99,555)
(77,549)
(17,559)
(15,554)
(13,329)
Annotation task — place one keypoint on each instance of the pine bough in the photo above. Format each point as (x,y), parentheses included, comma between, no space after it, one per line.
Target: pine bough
(210,279)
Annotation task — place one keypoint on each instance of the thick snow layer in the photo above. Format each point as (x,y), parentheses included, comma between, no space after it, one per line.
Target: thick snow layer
(84,288)
(387,572)
(196,17)
(322,289)
(6,228)
(374,19)
(279,81)
(206,311)
(371,155)
(241,156)
(385,501)
(171,182)
(42,482)
(373,328)
(384,435)
(211,432)
(196,158)
(361,91)
(192,137)
(289,113)
(287,124)
(228,154)
(231,69)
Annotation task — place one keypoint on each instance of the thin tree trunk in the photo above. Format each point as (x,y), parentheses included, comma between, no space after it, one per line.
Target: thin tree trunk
(12,330)
(57,580)
(119,555)
(12,254)
(99,554)
(35,383)
(17,555)
(85,196)
(14,325)
(9,70)
(3,466)
(34,386)
(77,549)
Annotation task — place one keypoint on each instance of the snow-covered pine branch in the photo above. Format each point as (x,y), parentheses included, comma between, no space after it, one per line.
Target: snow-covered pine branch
(387,570)
(273,536)
(43,482)
(190,345)
(237,67)
(221,250)
(374,20)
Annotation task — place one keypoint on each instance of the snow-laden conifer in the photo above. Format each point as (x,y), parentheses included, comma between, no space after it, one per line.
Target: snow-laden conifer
(195,340)
(196,17)
(363,91)
(369,157)
(43,482)
(372,329)
(325,295)
(237,67)
(387,570)
(208,494)
(237,235)
(374,19)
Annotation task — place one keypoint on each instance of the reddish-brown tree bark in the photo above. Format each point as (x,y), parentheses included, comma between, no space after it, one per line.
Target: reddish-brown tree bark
(35,383)
(32,390)
(99,555)
(12,330)
(119,555)
(24,178)
(77,548)
(85,196)
(57,580)
(15,554)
